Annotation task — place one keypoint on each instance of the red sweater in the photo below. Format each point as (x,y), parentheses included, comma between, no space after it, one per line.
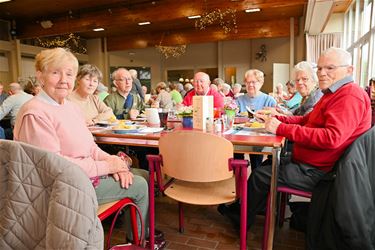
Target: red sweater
(322,136)
(218,99)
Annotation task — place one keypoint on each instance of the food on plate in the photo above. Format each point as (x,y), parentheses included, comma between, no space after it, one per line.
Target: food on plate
(112,119)
(124,126)
(254,124)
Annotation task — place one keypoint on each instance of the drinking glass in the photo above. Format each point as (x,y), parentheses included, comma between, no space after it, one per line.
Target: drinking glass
(163,116)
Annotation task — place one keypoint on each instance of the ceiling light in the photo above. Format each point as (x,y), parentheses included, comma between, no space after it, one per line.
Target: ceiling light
(194,17)
(252,10)
(144,23)
(98,29)
(3,1)
(46,24)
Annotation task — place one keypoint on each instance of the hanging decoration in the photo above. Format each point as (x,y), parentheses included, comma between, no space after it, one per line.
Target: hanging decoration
(171,51)
(71,42)
(226,19)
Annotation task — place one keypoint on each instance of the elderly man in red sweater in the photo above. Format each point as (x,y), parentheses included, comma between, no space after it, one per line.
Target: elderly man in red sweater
(201,85)
(320,137)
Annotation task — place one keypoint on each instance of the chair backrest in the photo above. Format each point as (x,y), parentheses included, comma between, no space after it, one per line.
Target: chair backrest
(195,156)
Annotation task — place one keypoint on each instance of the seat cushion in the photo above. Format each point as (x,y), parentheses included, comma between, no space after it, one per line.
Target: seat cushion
(202,193)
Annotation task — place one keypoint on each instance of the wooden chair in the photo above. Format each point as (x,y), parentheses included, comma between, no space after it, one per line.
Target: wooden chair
(200,167)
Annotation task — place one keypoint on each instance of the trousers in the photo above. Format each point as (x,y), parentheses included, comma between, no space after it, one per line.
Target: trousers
(294,175)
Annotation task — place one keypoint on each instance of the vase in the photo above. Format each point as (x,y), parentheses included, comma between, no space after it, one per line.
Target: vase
(187,122)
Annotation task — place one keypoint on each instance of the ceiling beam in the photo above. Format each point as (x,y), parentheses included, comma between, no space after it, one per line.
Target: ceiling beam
(251,30)
(162,11)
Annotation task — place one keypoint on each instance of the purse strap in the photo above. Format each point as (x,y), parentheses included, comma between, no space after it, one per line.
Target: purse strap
(141,239)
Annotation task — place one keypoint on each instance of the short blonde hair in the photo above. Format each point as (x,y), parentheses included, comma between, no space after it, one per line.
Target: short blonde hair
(54,57)
(259,75)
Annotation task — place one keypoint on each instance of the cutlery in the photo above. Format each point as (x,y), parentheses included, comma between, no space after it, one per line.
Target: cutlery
(250,110)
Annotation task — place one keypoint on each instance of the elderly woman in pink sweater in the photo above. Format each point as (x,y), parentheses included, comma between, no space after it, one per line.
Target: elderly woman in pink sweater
(52,122)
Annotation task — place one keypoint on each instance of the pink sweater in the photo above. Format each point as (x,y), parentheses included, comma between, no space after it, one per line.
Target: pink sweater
(60,129)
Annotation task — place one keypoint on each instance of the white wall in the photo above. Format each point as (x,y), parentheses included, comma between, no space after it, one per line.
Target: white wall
(335,23)
(239,54)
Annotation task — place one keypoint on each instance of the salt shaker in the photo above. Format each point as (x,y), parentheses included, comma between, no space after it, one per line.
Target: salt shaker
(208,125)
(218,125)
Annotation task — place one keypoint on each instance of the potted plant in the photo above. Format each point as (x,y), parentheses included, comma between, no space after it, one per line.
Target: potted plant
(230,109)
(186,113)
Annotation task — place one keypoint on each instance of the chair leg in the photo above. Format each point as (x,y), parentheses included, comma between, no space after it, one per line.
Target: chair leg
(266,223)
(181,217)
(281,215)
(133,219)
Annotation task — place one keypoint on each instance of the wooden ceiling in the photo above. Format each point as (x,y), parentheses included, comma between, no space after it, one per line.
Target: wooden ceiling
(169,22)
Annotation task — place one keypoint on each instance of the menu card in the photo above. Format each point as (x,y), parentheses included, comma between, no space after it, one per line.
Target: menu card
(203,108)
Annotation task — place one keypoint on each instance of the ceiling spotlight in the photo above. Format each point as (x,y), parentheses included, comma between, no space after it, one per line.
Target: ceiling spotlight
(144,23)
(194,17)
(252,10)
(3,1)
(98,29)
(46,24)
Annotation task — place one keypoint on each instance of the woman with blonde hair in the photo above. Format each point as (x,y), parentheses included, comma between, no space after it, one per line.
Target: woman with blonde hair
(61,128)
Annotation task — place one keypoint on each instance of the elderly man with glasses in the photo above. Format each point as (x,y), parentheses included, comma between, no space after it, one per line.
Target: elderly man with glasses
(320,137)
(124,103)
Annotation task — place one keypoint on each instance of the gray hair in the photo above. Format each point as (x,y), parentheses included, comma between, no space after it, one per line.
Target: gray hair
(114,73)
(133,73)
(344,56)
(15,86)
(237,85)
(218,81)
(306,67)
(226,86)
(259,75)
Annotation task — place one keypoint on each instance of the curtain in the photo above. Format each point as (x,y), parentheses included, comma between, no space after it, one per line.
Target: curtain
(315,45)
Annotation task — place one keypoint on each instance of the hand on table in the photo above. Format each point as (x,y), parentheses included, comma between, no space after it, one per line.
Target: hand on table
(271,124)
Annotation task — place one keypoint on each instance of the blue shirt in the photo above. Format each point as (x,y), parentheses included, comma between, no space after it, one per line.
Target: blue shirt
(256,103)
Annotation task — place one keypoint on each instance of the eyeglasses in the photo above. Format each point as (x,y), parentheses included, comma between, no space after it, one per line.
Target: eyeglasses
(329,68)
(251,82)
(124,79)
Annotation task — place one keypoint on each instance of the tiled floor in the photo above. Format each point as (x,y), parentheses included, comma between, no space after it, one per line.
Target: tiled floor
(205,228)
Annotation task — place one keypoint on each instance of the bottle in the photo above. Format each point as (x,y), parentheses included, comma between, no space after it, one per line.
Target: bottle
(208,125)
(218,125)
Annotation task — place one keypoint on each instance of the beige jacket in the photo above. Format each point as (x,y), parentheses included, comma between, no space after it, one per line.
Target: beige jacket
(46,202)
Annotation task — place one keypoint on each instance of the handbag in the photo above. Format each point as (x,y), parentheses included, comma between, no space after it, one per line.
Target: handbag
(128,246)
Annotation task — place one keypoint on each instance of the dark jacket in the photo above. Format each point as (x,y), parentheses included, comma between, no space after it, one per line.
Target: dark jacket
(342,211)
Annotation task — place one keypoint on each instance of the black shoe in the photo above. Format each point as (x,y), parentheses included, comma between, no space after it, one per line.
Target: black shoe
(158,235)
(158,244)
(233,216)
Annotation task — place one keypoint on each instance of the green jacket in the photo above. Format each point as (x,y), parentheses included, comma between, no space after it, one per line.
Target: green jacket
(116,102)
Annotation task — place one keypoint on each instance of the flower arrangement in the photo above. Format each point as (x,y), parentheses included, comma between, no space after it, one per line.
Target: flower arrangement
(185,111)
(231,105)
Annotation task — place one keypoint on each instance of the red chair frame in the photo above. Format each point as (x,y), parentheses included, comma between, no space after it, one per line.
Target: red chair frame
(133,217)
(284,190)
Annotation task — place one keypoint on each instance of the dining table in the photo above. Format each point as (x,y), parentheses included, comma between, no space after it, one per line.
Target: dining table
(247,141)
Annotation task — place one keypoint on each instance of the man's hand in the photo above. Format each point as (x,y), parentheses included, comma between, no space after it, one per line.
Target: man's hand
(271,124)
(125,178)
